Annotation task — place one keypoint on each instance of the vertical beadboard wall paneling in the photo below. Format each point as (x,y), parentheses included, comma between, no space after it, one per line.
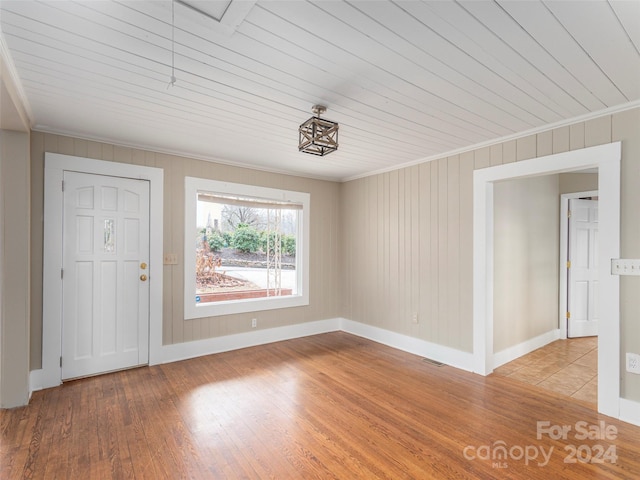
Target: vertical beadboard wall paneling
(394,250)
(467,162)
(626,127)
(597,131)
(496,154)
(414,248)
(344,254)
(452,299)
(94,150)
(576,136)
(509,151)
(423,191)
(443,252)
(386,286)
(441,190)
(544,144)
(561,139)
(526,148)
(481,158)
(182,331)
(406,229)
(168,270)
(15,266)
(373,282)
(435,251)
(37,237)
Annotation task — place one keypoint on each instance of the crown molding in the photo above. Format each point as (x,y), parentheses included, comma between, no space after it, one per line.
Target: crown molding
(534,131)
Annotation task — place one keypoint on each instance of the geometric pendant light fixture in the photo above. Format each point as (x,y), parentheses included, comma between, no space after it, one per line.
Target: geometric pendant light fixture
(318,136)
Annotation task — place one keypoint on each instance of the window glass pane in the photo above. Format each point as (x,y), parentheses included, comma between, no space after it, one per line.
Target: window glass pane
(245,248)
(109,236)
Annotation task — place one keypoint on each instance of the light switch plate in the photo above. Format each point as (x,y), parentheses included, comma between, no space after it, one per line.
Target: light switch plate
(625,266)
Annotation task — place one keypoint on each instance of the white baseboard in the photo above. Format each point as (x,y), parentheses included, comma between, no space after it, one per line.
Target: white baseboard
(35,381)
(440,353)
(630,411)
(511,353)
(208,346)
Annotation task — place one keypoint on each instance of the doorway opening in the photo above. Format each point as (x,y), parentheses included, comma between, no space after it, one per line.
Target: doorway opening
(530,328)
(604,158)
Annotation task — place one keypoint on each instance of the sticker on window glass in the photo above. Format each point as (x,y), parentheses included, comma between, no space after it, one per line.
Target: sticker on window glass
(109,236)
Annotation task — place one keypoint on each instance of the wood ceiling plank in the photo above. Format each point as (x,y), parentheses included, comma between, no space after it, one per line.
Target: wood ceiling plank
(414,40)
(343,58)
(508,41)
(377,57)
(539,22)
(601,35)
(483,54)
(628,13)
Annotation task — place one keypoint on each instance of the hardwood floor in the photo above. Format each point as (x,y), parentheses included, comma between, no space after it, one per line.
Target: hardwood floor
(566,366)
(332,406)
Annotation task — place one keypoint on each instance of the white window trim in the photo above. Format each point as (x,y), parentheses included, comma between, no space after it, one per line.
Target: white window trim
(191,309)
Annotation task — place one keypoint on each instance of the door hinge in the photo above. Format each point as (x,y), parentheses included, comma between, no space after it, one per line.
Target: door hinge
(568,263)
(568,314)
(568,213)
(62,273)
(63,185)
(60,361)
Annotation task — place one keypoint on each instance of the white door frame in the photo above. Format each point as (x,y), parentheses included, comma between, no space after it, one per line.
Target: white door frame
(564,256)
(55,166)
(606,158)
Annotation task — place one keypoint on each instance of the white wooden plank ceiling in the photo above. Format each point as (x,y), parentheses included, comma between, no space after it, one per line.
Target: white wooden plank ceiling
(406,80)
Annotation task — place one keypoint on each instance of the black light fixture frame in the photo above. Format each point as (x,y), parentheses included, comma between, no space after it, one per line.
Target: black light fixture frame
(318,136)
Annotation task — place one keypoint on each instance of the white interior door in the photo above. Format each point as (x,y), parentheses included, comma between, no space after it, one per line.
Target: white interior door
(583,269)
(105,312)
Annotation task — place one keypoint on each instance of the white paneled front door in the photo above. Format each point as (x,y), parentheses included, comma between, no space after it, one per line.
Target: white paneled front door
(583,269)
(105,312)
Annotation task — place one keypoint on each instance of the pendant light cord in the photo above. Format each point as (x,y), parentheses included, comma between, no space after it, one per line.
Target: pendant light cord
(173,46)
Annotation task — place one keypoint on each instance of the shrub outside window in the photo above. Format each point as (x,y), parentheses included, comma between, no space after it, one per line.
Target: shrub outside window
(246,248)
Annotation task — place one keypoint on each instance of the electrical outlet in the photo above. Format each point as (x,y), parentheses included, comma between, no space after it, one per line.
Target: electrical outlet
(414,318)
(170,259)
(254,322)
(633,363)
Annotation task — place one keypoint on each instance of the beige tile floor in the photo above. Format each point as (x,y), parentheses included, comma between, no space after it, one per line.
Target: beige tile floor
(569,367)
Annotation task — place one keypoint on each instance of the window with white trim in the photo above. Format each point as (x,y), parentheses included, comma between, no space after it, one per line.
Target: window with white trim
(246,248)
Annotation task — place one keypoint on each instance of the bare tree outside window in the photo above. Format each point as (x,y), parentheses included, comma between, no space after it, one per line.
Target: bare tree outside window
(248,250)
(233,216)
